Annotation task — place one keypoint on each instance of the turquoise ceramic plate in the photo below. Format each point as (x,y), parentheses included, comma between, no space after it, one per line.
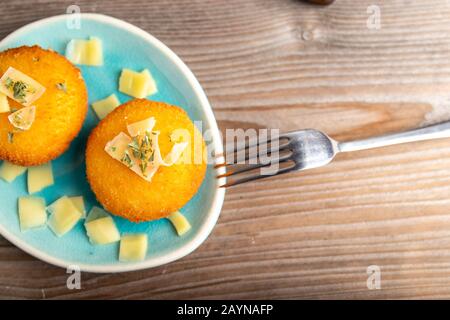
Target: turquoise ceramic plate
(124,45)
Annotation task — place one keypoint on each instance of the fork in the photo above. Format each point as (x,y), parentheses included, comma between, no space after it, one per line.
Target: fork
(306,149)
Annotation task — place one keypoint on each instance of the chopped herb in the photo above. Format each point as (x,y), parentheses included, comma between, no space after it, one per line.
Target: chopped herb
(113,149)
(142,150)
(10,137)
(9,83)
(62,86)
(19,89)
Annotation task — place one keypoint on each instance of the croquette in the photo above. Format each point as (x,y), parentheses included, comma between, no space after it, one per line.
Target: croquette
(60,111)
(124,193)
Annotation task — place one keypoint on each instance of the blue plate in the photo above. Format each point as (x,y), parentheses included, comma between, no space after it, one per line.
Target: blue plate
(124,46)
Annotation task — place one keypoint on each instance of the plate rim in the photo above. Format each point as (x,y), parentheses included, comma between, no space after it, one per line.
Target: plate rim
(216,207)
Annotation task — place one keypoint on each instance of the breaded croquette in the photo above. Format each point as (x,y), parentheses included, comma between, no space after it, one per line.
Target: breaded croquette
(123,192)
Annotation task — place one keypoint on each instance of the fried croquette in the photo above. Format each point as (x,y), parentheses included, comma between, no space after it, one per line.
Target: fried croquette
(60,111)
(126,194)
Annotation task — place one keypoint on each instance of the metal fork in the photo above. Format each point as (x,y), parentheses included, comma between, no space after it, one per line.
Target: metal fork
(307,149)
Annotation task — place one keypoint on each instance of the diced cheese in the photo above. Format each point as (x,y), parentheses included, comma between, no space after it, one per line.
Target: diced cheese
(180,222)
(141,127)
(105,106)
(64,216)
(9,172)
(96,213)
(86,52)
(32,213)
(23,118)
(152,89)
(135,84)
(4,104)
(20,87)
(94,55)
(79,204)
(133,247)
(40,177)
(102,231)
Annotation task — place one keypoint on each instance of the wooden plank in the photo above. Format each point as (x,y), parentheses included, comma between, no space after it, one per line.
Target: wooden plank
(290,65)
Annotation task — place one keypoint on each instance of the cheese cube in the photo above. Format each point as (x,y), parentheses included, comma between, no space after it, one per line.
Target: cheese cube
(102,231)
(20,87)
(4,104)
(180,222)
(152,89)
(86,52)
(64,216)
(78,202)
(133,247)
(134,83)
(32,213)
(40,177)
(105,106)
(9,172)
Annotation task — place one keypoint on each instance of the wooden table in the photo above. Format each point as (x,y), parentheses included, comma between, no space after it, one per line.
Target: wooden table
(290,65)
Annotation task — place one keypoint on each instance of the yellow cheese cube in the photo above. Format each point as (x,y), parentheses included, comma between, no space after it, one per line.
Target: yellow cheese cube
(4,104)
(133,83)
(40,177)
(78,202)
(64,216)
(179,222)
(30,89)
(105,106)
(32,213)
(9,172)
(152,89)
(133,247)
(86,52)
(102,231)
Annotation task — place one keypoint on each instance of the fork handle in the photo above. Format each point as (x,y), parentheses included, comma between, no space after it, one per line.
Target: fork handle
(436,131)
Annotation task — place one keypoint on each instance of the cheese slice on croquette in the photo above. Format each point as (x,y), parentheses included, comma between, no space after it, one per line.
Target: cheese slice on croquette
(126,194)
(140,152)
(60,110)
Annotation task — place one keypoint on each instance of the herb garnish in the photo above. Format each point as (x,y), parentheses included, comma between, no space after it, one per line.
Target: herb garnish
(127,160)
(62,86)
(10,137)
(142,150)
(19,89)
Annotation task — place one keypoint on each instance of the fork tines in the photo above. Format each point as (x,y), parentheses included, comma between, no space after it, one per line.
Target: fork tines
(250,159)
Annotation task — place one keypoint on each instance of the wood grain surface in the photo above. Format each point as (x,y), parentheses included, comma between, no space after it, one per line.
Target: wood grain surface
(288,64)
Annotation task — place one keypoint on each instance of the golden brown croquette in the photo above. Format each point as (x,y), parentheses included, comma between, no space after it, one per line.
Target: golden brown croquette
(123,192)
(60,111)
